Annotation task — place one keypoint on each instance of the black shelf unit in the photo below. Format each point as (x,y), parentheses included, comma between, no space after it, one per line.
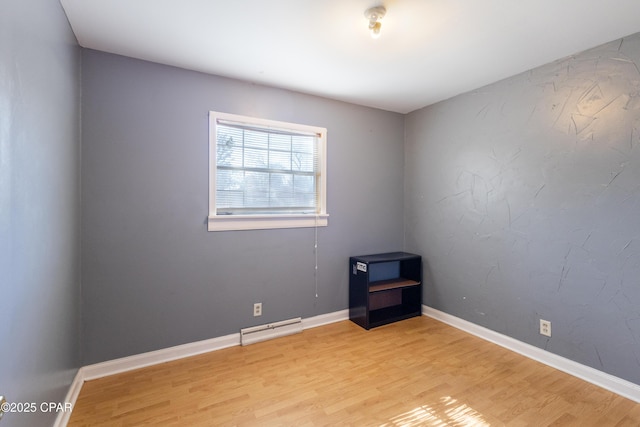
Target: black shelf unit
(384,288)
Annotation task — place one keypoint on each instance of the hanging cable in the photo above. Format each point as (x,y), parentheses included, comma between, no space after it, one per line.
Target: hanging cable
(315,250)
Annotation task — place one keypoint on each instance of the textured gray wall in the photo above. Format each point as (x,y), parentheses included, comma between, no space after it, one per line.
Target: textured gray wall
(39,206)
(153,277)
(524,198)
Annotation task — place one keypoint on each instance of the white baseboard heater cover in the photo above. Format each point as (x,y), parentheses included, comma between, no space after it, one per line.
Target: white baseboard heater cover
(270,331)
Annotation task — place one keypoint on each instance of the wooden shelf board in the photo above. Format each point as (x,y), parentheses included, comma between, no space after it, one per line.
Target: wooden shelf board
(385,285)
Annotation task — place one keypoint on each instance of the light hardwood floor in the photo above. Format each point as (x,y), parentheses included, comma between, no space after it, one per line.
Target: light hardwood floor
(411,373)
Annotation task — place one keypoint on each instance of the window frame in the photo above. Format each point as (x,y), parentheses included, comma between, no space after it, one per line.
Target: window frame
(217,222)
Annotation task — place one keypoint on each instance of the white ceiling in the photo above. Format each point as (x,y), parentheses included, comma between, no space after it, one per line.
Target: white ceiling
(429,50)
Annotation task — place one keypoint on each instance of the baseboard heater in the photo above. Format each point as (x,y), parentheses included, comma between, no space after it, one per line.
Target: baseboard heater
(270,331)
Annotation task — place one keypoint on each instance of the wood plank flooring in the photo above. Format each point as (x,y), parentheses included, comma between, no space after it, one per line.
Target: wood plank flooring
(418,372)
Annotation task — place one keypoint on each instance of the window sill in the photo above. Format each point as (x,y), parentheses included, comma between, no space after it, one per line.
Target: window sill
(265,222)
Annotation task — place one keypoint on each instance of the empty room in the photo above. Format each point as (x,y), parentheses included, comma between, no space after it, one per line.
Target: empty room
(319,212)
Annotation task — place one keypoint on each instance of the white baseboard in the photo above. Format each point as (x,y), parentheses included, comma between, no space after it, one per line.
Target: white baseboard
(72,395)
(609,382)
(129,363)
(124,364)
(325,319)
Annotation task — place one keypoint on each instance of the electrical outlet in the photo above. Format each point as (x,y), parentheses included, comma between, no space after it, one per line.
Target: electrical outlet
(257,309)
(545,328)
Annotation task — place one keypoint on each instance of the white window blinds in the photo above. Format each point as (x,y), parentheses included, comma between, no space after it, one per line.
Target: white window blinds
(265,170)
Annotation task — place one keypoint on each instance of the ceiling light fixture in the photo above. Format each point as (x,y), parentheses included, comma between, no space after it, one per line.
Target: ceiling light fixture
(375,15)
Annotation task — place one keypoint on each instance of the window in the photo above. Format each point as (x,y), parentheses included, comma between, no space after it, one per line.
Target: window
(265,174)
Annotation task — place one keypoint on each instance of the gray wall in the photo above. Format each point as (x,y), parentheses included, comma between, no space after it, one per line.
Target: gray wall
(524,198)
(39,205)
(153,277)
